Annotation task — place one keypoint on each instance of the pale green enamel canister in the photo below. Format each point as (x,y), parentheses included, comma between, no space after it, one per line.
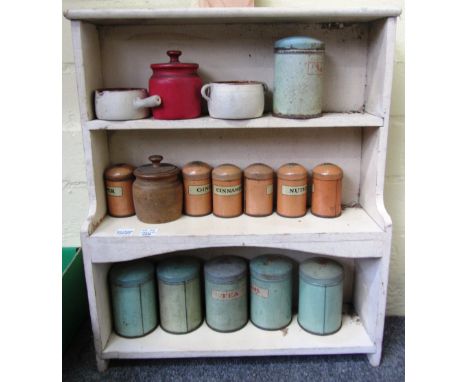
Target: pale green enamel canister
(298,80)
(133,292)
(226,293)
(320,295)
(271,292)
(179,294)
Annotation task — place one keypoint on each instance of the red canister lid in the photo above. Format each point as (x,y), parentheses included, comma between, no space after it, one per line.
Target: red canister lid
(174,62)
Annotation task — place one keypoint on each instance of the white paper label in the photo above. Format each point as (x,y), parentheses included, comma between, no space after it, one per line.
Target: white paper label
(228,191)
(124,232)
(199,190)
(269,189)
(148,232)
(114,191)
(262,292)
(226,295)
(294,190)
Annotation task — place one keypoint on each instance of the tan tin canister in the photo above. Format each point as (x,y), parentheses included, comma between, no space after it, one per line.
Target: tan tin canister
(157,192)
(119,179)
(258,190)
(292,191)
(326,190)
(197,188)
(227,191)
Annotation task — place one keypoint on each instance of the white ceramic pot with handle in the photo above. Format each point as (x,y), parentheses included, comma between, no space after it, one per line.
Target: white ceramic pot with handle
(235,99)
(124,104)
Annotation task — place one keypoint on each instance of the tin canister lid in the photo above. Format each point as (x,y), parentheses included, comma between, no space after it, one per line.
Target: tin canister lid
(258,171)
(177,270)
(327,171)
(299,42)
(321,271)
(271,267)
(226,171)
(156,170)
(196,170)
(131,273)
(119,172)
(292,171)
(225,269)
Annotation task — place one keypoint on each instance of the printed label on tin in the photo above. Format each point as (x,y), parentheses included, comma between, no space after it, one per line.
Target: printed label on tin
(314,68)
(262,292)
(199,190)
(148,232)
(226,295)
(227,191)
(269,189)
(124,232)
(114,191)
(294,190)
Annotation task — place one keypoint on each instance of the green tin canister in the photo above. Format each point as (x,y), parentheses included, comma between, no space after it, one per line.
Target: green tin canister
(226,293)
(179,294)
(298,80)
(271,292)
(133,294)
(320,295)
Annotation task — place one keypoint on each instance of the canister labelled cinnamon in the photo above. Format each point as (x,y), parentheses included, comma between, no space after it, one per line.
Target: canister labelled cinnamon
(227,190)
(326,190)
(197,188)
(292,191)
(119,179)
(258,184)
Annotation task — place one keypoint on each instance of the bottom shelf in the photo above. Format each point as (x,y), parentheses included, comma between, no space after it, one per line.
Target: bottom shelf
(249,341)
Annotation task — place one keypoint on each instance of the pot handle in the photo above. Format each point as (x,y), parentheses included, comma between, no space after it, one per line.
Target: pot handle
(265,87)
(204,92)
(152,101)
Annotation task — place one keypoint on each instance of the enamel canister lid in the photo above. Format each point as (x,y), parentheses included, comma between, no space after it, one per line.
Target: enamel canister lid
(258,171)
(196,170)
(225,269)
(327,171)
(226,171)
(156,170)
(292,171)
(131,273)
(178,270)
(119,172)
(299,42)
(174,62)
(271,267)
(321,271)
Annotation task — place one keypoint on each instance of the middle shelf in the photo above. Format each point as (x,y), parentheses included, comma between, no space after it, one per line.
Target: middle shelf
(354,234)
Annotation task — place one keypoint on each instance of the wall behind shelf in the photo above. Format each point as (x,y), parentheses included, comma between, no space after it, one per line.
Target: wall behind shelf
(74,193)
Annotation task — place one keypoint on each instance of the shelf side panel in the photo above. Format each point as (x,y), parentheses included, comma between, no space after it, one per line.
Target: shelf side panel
(87,54)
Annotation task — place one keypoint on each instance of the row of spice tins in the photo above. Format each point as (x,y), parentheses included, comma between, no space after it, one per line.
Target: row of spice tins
(179,290)
(158,195)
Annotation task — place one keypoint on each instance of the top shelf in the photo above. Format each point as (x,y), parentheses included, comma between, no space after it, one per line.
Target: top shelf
(265,122)
(322,14)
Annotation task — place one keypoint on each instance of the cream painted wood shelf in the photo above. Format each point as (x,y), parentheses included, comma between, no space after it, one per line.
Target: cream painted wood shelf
(265,122)
(250,340)
(115,47)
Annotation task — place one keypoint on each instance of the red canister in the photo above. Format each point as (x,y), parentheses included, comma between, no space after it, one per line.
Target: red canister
(179,87)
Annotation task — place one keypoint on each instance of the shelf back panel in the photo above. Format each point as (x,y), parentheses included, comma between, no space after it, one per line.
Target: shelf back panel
(308,147)
(237,52)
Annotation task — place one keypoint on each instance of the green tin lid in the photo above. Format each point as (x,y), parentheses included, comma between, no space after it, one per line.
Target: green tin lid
(225,269)
(299,42)
(131,273)
(321,271)
(177,270)
(271,267)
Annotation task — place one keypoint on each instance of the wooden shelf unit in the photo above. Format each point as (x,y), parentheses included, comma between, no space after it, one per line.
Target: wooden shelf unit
(114,48)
